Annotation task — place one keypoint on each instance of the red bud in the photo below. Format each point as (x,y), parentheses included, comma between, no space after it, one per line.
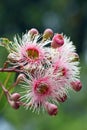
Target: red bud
(57,41)
(51,108)
(76,85)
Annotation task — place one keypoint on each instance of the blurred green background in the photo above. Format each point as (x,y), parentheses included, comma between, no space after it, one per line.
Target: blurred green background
(67,16)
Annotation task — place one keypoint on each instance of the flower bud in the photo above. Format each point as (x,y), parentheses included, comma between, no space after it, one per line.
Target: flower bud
(14,104)
(15,96)
(57,41)
(76,85)
(33,31)
(51,108)
(13,100)
(62,98)
(48,33)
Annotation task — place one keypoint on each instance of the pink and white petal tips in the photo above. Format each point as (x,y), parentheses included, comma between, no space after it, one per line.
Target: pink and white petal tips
(66,61)
(67,48)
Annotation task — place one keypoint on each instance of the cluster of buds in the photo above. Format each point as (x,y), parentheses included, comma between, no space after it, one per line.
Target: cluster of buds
(47,65)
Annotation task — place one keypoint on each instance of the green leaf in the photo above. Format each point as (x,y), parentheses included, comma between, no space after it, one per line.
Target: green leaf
(7,80)
(3,55)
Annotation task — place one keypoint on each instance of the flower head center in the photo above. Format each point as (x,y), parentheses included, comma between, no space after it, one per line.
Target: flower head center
(42,88)
(32,53)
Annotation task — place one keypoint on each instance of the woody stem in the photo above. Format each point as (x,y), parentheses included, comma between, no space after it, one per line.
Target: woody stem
(10,70)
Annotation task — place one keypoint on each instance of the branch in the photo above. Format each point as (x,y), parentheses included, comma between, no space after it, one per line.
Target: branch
(10,70)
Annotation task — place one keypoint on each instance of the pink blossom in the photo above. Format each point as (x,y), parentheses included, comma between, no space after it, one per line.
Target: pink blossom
(45,73)
(42,87)
(28,50)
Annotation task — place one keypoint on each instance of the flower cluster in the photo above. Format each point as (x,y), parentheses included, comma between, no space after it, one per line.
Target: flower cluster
(48,66)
